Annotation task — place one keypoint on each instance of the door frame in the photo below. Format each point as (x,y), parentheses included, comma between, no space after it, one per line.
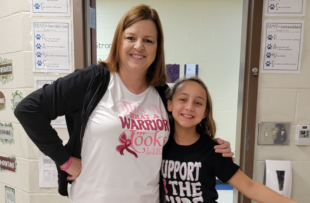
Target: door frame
(246,121)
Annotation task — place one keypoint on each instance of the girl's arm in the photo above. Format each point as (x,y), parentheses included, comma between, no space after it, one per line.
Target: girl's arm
(255,190)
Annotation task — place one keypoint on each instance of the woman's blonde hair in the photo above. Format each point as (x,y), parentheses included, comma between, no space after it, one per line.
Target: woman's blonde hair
(207,125)
(156,74)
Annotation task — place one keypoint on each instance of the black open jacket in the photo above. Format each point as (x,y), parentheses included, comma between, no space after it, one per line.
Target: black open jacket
(74,96)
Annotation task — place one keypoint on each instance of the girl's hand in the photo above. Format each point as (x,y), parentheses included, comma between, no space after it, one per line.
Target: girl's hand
(75,168)
(224,148)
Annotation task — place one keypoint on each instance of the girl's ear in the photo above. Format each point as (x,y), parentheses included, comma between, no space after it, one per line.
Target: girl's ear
(206,113)
(169,106)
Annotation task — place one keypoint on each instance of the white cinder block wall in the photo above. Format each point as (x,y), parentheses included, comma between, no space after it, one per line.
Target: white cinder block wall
(286,97)
(204,32)
(15,37)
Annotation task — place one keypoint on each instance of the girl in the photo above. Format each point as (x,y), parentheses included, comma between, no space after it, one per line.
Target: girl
(190,165)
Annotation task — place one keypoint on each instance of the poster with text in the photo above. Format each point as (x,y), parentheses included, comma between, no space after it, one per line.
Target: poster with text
(59,122)
(51,46)
(48,175)
(50,7)
(285,7)
(9,194)
(282,46)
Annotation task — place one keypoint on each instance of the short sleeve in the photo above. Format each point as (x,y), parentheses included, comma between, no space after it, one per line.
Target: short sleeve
(224,168)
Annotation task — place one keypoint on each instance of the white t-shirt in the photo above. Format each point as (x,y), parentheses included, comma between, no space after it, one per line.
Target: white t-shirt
(122,148)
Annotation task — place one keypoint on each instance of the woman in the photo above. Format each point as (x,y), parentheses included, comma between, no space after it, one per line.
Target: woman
(116,117)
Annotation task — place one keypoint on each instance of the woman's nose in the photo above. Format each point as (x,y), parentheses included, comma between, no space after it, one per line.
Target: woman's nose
(139,45)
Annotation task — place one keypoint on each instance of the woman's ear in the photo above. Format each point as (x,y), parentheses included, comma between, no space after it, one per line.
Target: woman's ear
(169,106)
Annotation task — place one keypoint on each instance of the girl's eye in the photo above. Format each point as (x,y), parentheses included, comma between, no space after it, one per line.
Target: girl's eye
(182,99)
(130,38)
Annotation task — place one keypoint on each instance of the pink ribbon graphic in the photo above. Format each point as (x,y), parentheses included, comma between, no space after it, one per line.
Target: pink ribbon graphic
(165,183)
(125,144)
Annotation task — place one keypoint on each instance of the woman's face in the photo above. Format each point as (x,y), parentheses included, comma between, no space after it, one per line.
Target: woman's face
(138,48)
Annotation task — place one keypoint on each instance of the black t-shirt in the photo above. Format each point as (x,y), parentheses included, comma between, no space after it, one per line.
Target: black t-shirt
(188,173)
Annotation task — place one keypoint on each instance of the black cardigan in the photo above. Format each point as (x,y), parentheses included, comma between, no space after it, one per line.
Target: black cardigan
(74,96)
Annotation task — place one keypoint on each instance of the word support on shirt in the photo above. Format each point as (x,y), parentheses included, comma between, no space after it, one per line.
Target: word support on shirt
(183,178)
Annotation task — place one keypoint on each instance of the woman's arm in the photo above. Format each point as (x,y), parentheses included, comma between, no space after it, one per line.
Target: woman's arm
(255,190)
(224,148)
(36,111)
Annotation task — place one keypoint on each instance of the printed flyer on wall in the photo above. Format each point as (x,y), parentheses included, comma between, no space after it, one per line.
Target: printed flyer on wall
(285,7)
(51,46)
(48,175)
(50,7)
(282,46)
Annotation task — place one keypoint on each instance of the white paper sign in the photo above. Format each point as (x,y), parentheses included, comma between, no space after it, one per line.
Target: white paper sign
(191,70)
(9,195)
(285,7)
(51,45)
(6,132)
(282,46)
(48,175)
(50,7)
(59,122)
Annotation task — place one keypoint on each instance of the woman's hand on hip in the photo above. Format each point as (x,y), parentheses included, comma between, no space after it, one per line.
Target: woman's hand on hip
(75,168)
(224,148)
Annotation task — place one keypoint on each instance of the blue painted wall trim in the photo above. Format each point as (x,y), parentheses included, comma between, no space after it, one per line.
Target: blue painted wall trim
(223,186)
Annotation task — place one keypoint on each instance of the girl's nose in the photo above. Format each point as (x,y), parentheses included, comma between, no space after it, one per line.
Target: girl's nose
(189,107)
(139,45)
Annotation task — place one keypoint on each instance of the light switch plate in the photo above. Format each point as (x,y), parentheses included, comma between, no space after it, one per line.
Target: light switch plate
(273,133)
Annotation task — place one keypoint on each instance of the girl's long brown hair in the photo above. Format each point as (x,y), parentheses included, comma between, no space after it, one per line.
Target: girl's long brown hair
(207,125)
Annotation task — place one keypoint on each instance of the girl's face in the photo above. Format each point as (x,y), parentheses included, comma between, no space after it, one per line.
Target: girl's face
(188,105)
(139,46)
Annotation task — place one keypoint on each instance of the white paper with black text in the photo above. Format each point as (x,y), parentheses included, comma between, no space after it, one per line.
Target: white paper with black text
(50,7)
(51,46)
(48,175)
(285,7)
(282,46)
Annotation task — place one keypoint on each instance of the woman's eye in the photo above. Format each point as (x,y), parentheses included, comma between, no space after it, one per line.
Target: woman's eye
(182,99)
(198,103)
(130,38)
(149,41)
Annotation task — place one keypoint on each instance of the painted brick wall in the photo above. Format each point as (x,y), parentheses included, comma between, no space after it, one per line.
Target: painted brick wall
(286,97)
(15,37)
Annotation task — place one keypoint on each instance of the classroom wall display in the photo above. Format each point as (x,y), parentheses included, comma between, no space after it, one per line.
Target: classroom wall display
(6,70)
(2,101)
(8,163)
(51,46)
(17,96)
(282,46)
(190,70)
(173,72)
(48,175)
(9,194)
(6,133)
(59,122)
(285,7)
(50,7)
